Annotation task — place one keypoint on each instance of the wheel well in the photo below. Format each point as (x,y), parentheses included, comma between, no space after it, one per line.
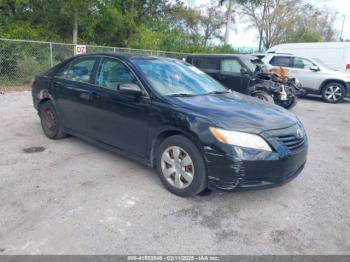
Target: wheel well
(259,91)
(161,137)
(43,101)
(326,82)
(258,88)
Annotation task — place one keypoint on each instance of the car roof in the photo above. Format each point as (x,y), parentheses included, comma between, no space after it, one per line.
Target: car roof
(218,55)
(128,56)
(287,55)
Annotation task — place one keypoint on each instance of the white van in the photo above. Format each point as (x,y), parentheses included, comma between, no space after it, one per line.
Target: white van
(334,54)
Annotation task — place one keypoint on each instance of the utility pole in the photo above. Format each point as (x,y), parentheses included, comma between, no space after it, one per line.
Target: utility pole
(75,26)
(342,29)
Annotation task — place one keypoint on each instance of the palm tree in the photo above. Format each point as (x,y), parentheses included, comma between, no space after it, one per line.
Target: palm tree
(229,14)
(228,18)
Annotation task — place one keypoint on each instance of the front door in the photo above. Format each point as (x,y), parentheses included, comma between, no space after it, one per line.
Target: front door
(119,120)
(309,79)
(231,76)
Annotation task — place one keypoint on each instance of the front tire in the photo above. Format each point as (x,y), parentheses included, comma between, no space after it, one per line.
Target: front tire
(263,96)
(181,167)
(290,103)
(50,121)
(333,92)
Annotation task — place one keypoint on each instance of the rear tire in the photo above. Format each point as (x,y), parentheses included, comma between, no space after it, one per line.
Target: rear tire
(50,121)
(333,92)
(263,96)
(181,167)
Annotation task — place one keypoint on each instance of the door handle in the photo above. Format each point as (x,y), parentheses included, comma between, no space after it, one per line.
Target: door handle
(222,77)
(57,84)
(85,95)
(94,95)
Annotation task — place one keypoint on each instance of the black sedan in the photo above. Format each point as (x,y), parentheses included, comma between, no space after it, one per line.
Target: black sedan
(171,116)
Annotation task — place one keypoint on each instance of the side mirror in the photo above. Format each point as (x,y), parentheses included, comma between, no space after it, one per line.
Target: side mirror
(244,71)
(314,68)
(130,89)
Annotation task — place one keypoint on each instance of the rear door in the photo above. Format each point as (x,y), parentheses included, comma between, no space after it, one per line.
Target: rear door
(209,65)
(72,88)
(286,62)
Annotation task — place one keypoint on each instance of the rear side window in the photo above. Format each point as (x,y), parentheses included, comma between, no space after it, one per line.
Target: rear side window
(231,66)
(79,70)
(206,63)
(285,61)
(112,73)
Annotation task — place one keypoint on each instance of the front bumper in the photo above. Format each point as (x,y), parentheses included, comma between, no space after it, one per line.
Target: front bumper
(233,168)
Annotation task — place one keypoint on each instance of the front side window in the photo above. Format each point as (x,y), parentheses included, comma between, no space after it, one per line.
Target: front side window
(231,66)
(112,73)
(284,61)
(79,70)
(302,63)
(170,77)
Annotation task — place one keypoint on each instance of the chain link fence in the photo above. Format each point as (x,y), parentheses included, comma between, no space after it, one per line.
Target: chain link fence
(21,60)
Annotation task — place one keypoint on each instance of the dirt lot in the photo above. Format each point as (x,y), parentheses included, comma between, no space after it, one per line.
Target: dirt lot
(73,198)
(10,89)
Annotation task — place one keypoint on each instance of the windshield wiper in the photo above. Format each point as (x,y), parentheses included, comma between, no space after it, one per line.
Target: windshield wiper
(181,94)
(217,92)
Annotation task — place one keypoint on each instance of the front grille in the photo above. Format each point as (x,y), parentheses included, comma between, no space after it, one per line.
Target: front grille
(293,138)
(292,142)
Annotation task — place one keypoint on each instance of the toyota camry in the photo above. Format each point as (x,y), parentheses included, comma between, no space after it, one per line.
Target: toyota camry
(173,117)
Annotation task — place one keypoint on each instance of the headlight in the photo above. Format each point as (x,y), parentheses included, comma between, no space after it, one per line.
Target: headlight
(240,139)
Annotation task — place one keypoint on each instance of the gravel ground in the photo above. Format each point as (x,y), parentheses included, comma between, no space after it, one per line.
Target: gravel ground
(73,198)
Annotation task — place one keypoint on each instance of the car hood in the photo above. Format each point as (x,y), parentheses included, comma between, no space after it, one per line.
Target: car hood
(234,111)
(336,73)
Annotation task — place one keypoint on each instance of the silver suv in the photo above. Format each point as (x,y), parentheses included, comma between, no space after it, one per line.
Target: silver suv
(315,77)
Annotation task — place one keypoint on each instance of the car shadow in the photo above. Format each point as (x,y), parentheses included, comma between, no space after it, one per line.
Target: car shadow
(312,98)
(119,157)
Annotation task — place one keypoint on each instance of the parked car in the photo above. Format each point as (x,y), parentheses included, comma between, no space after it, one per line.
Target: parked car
(244,74)
(315,77)
(335,55)
(171,116)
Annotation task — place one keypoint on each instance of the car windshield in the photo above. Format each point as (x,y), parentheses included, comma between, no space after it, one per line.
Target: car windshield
(259,65)
(321,63)
(171,77)
(247,60)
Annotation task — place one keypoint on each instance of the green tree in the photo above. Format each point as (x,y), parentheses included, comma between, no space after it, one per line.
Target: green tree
(281,21)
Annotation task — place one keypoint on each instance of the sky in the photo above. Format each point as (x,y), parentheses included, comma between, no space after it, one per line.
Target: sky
(242,36)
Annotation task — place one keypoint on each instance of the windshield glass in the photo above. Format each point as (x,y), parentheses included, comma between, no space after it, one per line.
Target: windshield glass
(171,77)
(247,60)
(321,63)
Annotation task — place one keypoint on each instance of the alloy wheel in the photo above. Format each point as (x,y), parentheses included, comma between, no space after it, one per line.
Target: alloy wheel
(333,93)
(50,119)
(177,167)
(261,97)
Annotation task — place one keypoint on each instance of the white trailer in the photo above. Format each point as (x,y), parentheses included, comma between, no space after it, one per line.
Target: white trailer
(334,54)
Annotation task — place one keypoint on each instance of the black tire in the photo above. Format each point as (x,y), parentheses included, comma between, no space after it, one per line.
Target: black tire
(50,121)
(199,181)
(263,96)
(290,103)
(337,89)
